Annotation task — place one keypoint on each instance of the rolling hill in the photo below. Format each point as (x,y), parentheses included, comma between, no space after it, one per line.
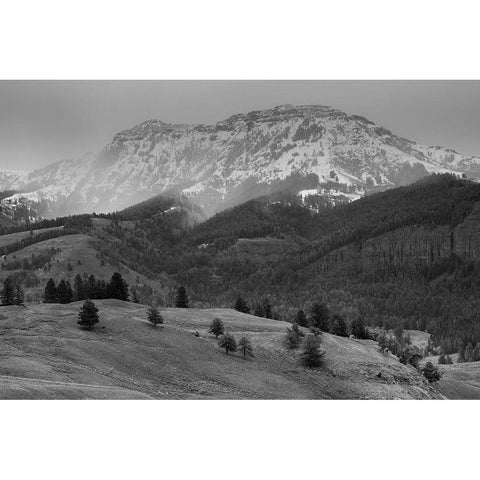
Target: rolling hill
(45,355)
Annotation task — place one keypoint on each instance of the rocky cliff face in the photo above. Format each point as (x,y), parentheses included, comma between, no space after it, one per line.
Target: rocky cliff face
(408,246)
(234,160)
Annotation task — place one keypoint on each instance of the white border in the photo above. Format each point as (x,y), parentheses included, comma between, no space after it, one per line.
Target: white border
(369,39)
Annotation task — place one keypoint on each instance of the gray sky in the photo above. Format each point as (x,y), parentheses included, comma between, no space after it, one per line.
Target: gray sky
(45,121)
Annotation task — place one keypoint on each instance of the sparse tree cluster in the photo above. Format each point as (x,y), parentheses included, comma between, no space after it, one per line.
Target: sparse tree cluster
(12,292)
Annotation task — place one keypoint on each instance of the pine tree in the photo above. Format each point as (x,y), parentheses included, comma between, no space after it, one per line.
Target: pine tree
(468,354)
(216,327)
(241,305)
(259,311)
(320,316)
(91,287)
(8,291)
(339,326)
(476,353)
(292,339)
(181,300)
(246,347)
(78,288)
(135,298)
(50,295)
(431,373)
(88,315)
(301,319)
(118,288)
(267,309)
(228,342)
(359,330)
(441,359)
(19,295)
(311,354)
(154,316)
(62,293)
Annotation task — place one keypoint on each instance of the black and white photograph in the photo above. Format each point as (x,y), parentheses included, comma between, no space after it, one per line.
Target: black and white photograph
(298,251)
(239,240)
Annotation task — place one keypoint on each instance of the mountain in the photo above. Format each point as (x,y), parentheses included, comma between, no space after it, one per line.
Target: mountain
(304,149)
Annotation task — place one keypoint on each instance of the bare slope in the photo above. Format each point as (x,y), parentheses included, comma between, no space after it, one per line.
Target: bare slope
(45,355)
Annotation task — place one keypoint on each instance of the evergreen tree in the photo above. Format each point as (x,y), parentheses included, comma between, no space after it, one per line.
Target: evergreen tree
(382,341)
(19,296)
(267,309)
(246,347)
(311,354)
(476,353)
(88,315)
(228,342)
(154,316)
(448,360)
(118,288)
(91,288)
(320,315)
(259,311)
(431,373)
(359,330)
(301,319)
(216,327)
(8,291)
(441,359)
(62,292)
(181,300)
(339,326)
(78,288)
(135,298)
(468,355)
(50,295)
(241,305)
(292,339)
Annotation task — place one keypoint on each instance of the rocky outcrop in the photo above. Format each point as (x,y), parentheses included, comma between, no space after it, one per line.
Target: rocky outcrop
(415,245)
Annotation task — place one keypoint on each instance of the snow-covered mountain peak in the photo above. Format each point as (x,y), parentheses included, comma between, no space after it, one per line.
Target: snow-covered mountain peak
(244,156)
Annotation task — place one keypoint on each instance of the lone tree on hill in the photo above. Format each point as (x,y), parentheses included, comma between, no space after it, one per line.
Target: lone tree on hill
(293,337)
(228,342)
(154,316)
(118,287)
(246,347)
(88,315)
(8,292)
(312,355)
(431,373)
(320,316)
(241,305)
(216,327)
(50,295)
(301,319)
(181,300)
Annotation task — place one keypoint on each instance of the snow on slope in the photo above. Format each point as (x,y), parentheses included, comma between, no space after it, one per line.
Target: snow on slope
(233,160)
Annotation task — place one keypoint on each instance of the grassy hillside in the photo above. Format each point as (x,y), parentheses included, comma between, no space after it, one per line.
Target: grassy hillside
(45,355)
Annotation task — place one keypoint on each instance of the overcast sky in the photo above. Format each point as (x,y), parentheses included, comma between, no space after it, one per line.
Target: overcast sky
(45,121)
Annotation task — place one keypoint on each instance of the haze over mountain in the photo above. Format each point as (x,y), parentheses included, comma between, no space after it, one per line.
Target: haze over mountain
(312,148)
